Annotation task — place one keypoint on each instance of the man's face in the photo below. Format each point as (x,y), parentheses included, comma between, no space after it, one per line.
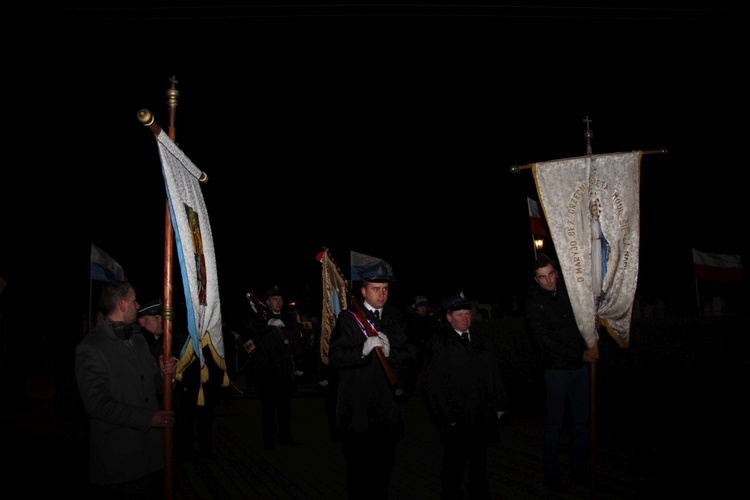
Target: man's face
(422,310)
(275,303)
(546,277)
(459,320)
(129,307)
(376,294)
(152,323)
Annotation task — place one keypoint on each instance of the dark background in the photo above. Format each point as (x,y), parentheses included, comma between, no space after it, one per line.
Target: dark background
(380,129)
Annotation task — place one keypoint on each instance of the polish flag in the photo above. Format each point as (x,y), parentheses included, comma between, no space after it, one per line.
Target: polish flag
(717,266)
(538,227)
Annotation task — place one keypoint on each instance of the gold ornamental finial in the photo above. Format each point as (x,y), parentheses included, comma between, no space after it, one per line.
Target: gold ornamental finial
(173,94)
(145,117)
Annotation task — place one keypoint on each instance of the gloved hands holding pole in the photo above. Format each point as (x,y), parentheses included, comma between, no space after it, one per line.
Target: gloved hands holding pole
(386,344)
(370,344)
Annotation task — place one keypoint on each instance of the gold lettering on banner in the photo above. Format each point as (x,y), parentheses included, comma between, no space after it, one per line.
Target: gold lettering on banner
(575,254)
(570,228)
(600,183)
(618,203)
(577,195)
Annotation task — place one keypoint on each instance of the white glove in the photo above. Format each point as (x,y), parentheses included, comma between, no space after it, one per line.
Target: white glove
(500,414)
(276,322)
(386,344)
(370,344)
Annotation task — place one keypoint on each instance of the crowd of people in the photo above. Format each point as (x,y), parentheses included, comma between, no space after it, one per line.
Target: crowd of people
(440,354)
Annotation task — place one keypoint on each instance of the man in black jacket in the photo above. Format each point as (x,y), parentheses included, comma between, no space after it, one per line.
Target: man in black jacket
(117,378)
(465,396)
(278,360)
(152,326)
(369,421)
(565,359)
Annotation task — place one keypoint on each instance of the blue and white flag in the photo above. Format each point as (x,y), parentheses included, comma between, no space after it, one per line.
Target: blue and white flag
(104,267)
(360,263)
(195,248)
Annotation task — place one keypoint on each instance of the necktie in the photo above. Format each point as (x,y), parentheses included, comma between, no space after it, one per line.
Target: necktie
(376,312)
(465,336)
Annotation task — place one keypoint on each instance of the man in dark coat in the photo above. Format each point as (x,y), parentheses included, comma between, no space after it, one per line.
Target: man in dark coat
(420,326)
(369,421)
(565,359)
(151,326)
(465,397)
(278,360)
(118,377)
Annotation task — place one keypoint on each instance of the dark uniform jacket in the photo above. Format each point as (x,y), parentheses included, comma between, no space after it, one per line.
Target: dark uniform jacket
(419,329)
(118,388)
(279,351)
(366,401)
(462,382)
(155,344)
(553,328)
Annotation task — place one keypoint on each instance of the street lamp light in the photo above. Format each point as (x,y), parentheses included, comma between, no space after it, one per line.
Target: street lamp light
(538,242)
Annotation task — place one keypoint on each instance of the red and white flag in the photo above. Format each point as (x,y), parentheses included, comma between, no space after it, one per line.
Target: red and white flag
(538,226)
(717,266)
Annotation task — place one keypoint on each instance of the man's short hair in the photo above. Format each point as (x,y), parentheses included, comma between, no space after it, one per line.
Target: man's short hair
(543,260)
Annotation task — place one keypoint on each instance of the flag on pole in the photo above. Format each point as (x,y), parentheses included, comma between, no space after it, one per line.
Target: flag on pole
(195,248)
(538,226)
(717,266)
(592,205)
(104,267)
(361,262)
(335,300)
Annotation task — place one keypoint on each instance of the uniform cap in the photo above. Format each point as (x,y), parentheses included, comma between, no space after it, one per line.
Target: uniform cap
(377,274)
(152,308)
(457,302)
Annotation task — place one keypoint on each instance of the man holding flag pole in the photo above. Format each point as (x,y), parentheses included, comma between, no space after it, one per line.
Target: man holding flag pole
(592,204)
(369,417)
(187,224)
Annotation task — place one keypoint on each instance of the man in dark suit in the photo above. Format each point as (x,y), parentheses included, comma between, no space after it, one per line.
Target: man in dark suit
(117,378)
(151,326)
(278,361)
(465,397)
(369,420)
(566,360)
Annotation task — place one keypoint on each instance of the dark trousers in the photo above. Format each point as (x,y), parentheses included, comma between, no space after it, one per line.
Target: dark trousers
(571,387)
(193,419)
(369,461)
(464,449)
(150,487)
(276,415)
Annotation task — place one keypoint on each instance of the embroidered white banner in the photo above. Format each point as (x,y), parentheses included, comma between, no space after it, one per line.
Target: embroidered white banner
(195,247)
(592,205)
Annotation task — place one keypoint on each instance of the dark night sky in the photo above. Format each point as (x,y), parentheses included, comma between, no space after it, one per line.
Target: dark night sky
(314,124)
